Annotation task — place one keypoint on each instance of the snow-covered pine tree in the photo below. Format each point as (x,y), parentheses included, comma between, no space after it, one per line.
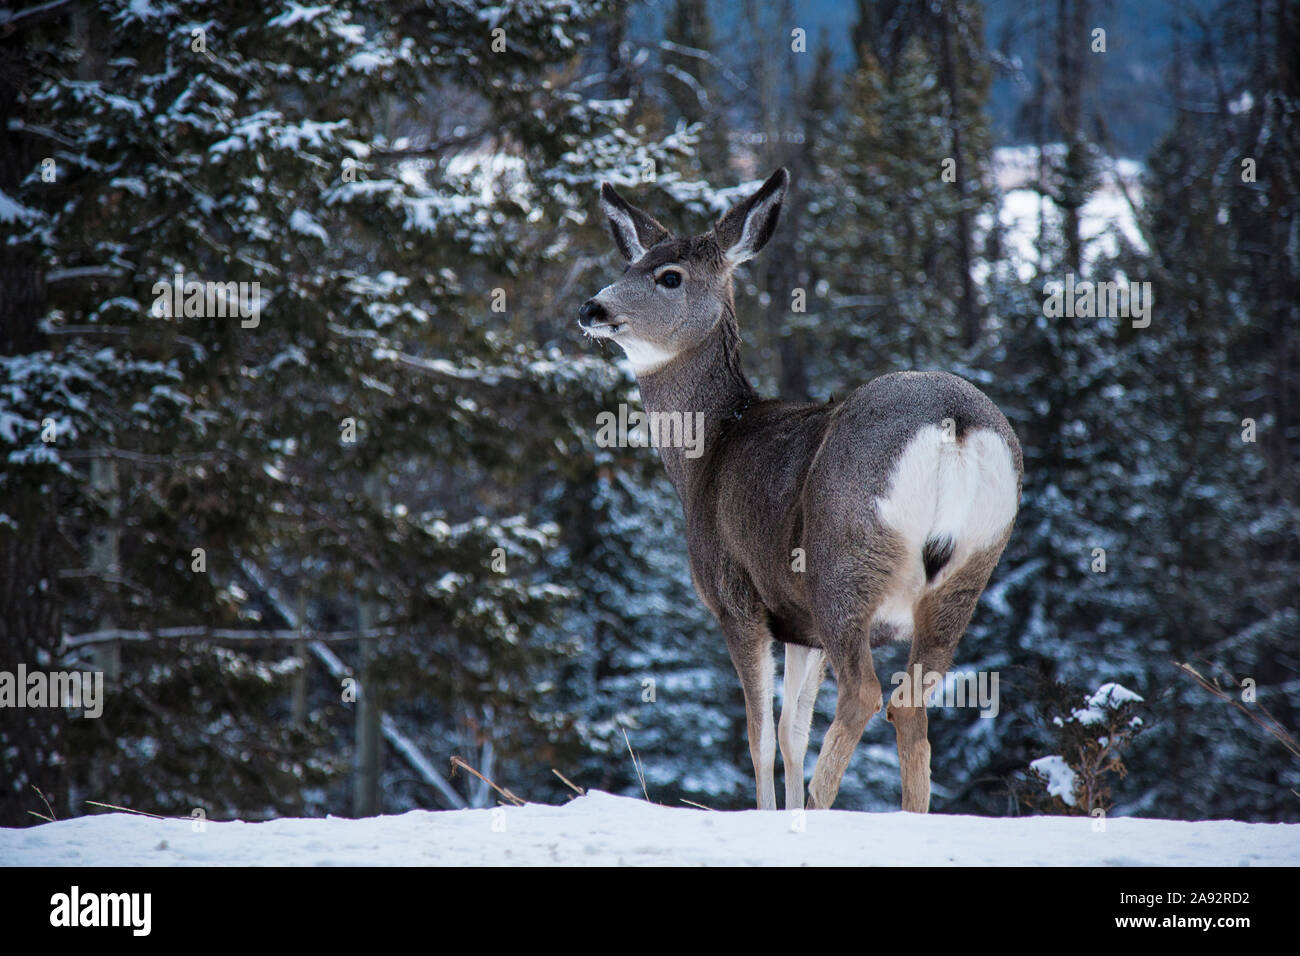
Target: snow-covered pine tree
(398,187)
(1221,194)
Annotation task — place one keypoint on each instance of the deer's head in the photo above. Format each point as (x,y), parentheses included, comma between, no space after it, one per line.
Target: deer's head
(674,291)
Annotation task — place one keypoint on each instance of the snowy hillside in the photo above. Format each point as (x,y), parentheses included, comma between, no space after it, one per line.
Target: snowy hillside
(599,829)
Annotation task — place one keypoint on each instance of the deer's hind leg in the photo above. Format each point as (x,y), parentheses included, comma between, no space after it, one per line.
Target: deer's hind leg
(940,620)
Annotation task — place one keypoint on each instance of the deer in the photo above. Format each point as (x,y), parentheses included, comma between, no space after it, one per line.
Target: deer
(834,527)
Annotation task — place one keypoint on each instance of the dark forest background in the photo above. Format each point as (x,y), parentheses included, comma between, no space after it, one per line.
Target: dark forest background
(416,193)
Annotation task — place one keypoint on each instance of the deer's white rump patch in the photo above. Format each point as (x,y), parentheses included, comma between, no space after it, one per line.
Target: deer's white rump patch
(940,487)
(964,490)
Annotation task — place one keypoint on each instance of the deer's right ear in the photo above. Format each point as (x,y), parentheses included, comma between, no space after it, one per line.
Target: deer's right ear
(634,231)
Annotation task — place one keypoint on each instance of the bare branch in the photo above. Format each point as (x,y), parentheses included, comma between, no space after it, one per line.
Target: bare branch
(139,458)
(19,126)
(458,762)
(11,21)
(682,76)
(1272,725)
(71,641)
(707,57)
(569,783)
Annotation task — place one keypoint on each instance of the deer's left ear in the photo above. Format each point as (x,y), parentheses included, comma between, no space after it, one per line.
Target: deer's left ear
(749,224)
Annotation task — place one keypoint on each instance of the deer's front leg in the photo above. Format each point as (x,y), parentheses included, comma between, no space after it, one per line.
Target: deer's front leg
(750,644)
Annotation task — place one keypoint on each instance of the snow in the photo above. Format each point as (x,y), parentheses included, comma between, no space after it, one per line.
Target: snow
(11,425)
(369,62)
(270,126)
(1108,697)
(143,10)
(13,211)
(298,14)
(602,830)
(1060,776)
(301,222)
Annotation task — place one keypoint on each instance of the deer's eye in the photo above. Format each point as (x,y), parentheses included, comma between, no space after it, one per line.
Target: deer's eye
(670,279)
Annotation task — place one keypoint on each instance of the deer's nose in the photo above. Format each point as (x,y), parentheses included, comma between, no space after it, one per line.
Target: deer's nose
(591,311)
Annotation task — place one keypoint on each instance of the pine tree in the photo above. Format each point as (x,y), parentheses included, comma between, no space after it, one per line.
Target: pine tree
(372,439)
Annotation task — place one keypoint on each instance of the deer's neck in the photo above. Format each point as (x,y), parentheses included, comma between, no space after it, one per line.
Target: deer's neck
(708,388)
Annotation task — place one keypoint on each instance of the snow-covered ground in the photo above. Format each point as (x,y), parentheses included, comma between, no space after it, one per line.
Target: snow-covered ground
(599,829)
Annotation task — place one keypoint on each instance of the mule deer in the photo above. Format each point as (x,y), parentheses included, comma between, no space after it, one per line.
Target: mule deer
(831,527)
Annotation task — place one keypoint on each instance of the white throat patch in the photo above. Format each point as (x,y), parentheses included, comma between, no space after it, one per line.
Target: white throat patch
(644,356)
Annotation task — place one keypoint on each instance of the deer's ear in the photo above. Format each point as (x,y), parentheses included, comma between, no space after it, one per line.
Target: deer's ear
(748,225)
(634,231)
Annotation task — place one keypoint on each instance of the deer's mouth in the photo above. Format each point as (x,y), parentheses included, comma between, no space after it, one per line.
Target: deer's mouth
(602,330)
